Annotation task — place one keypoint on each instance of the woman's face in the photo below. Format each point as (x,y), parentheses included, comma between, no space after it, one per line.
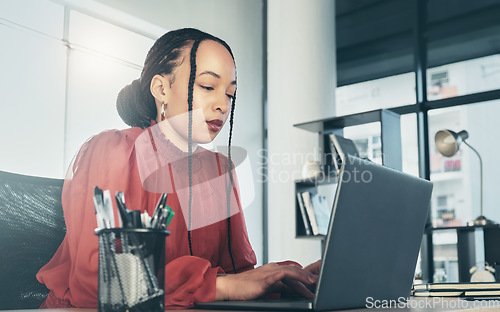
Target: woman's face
(213,91)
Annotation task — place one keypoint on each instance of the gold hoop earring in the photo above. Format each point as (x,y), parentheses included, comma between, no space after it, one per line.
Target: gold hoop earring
(162,114)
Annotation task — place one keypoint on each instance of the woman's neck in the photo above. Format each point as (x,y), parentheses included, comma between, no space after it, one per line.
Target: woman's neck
(179,141)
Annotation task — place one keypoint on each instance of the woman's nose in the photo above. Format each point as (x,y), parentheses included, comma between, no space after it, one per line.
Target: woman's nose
(222,104)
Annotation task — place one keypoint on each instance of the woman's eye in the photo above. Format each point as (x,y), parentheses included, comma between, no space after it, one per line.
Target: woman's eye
(230,96)
(207,88)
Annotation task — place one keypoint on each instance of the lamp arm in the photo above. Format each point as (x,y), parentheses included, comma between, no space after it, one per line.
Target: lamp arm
(480,175)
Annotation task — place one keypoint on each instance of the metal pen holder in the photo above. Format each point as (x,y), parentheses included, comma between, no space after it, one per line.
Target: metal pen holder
(131,269)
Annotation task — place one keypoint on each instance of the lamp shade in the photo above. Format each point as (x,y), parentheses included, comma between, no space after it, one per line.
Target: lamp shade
(448,142)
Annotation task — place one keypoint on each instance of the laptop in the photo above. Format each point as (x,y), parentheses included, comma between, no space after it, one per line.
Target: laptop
(371,248)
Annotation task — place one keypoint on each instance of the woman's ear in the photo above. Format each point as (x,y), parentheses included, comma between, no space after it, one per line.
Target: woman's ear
(160,87)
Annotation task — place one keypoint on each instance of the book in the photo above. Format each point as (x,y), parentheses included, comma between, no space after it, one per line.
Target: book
(438,293)
(306,196)
(303,212)
(340,146)
(335,157)
(322,212)
(456,286)
(480,289)
(481,293)
(459,293)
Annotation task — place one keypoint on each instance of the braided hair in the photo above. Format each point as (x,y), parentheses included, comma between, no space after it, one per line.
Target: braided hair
(137,107)
(192,76)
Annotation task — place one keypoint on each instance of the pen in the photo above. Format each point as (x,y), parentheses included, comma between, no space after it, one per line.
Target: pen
(122,209)
(158,211)
(109,217)
(145,219)
(170,216)
(135,218)
(162,201)
(166,217)
(98,207)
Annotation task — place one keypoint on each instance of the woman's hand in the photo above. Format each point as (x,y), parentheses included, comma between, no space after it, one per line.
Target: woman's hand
(314,267)
(264,280)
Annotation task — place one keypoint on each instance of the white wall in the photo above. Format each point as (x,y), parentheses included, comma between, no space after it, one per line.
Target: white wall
(301,87)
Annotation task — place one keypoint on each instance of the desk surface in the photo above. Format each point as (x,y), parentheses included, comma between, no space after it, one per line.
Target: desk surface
(414,305)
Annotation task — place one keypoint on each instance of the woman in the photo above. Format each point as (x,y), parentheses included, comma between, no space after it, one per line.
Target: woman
(186,92)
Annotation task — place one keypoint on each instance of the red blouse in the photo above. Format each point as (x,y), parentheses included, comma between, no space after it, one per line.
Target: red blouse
(109,161)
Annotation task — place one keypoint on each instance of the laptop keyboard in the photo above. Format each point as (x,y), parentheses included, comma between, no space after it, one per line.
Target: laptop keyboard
(297,300)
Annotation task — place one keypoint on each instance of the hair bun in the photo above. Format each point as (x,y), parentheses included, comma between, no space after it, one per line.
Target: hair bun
(128,104)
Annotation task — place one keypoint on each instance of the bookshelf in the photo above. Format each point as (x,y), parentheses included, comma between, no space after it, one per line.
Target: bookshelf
(311,186)
(390,143)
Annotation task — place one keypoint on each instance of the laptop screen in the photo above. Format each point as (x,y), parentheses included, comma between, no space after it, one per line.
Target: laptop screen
(374,236)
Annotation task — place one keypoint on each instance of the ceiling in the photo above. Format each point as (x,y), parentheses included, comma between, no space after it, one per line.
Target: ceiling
(375,38)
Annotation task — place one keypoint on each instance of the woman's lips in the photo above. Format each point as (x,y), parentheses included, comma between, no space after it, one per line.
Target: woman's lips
(215,124)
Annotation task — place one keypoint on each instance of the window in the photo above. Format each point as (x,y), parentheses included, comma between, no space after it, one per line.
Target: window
(457,178)
(93,84)
(381,93)
(33,83)
(103,59)
(57,92)
(462,78)
(374,94)
(458,43)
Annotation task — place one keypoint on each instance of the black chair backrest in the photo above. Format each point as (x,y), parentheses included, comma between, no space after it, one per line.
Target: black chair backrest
(31,229)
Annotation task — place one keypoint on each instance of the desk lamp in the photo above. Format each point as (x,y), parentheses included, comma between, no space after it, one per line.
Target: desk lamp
(448,143)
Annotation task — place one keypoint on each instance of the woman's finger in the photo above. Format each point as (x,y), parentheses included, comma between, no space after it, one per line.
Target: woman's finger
(312,287)
(306,277)
(314,267)
(275,277)
(298,288)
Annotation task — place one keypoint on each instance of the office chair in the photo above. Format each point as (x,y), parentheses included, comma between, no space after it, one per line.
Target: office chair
(31,229)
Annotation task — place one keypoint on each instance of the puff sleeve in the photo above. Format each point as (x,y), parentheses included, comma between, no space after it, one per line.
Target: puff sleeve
(108,161)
